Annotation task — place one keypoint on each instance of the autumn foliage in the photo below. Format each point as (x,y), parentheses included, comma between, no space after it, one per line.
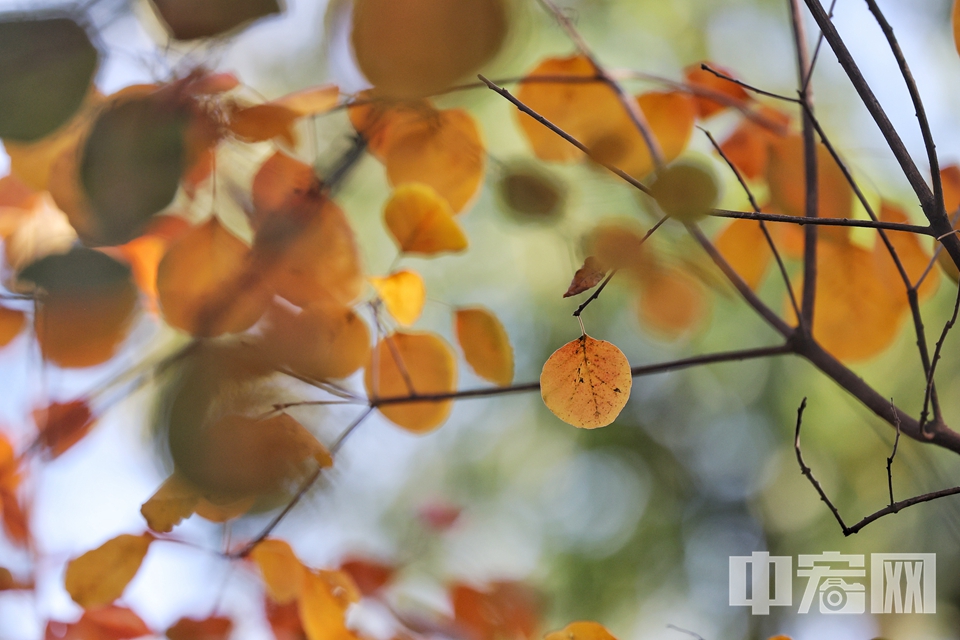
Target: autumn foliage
(112,215)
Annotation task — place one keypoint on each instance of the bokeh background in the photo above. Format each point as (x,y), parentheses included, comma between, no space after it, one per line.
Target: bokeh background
(631,525)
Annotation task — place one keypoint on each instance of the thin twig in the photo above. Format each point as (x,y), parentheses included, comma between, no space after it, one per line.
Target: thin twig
(748,87)
(824,222)
(811,179)
(936,359)
(893,507)
(893,454)
(692,634)
(763,225)
(816,50)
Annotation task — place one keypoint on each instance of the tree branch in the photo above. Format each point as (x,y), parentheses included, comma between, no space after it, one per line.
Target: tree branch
(824,222)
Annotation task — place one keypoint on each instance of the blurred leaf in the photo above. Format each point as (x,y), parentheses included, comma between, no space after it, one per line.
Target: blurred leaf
(672,301)
(444,152)
(100,576)
(188,20)
(617,245)
(283,574)
(786,178)
(914,257)
(485,344)
(212,628)
(46,69)
(403,293)
(696,76)
(370,576)
(586,382)
(419,47)
(103,623)
(503,610)
(204,284)
(403,364)
(132,161)
(747,146)
(63,425)
(531,194)
(422,222)
(86,309)
(173,502)
(380,121)
(744,247)
(685,190)
(319,342)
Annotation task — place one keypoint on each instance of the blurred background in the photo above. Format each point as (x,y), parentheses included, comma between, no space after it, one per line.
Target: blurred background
(631,525)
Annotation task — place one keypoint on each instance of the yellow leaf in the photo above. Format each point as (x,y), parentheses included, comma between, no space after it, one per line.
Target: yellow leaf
(485,345)
(200,283)
(586,382)
(99,577)
(403,293)
(283,574)
(320,342)
(422,222)
(445,152)
(581,631)
(174,501)
(323,604)
(423,361)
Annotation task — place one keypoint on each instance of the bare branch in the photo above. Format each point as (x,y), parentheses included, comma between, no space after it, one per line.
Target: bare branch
(748,87)
(893,454)
(936,359)
(824,222)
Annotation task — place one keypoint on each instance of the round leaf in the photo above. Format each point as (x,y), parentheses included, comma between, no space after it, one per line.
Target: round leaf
(99,577)
(421,221)
(485,345)
(586,382)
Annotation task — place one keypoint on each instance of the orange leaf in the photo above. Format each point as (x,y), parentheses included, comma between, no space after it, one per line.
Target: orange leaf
(403,293)
(319,342)
(955,19)
(485,344)
(203,283)
(747,146)
(698,77)
(63,425)
(950,179)
(100,576)
(312,101)
(422,222)
(264,121)
(586,382)
(213,628)
(403,364)
(785,176)
(671,301)
(144,254)
(279,183)
(422,47)
(381,121)
(745,248)
(618,245)
(587,277)
(911,252)
(173,502)
(87,307)
(670,117)
(323,603)
(581,631)
(309,252)
(11,323)
(504,610)
(103,623)
(858,313)
(445,152)
(283,573)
